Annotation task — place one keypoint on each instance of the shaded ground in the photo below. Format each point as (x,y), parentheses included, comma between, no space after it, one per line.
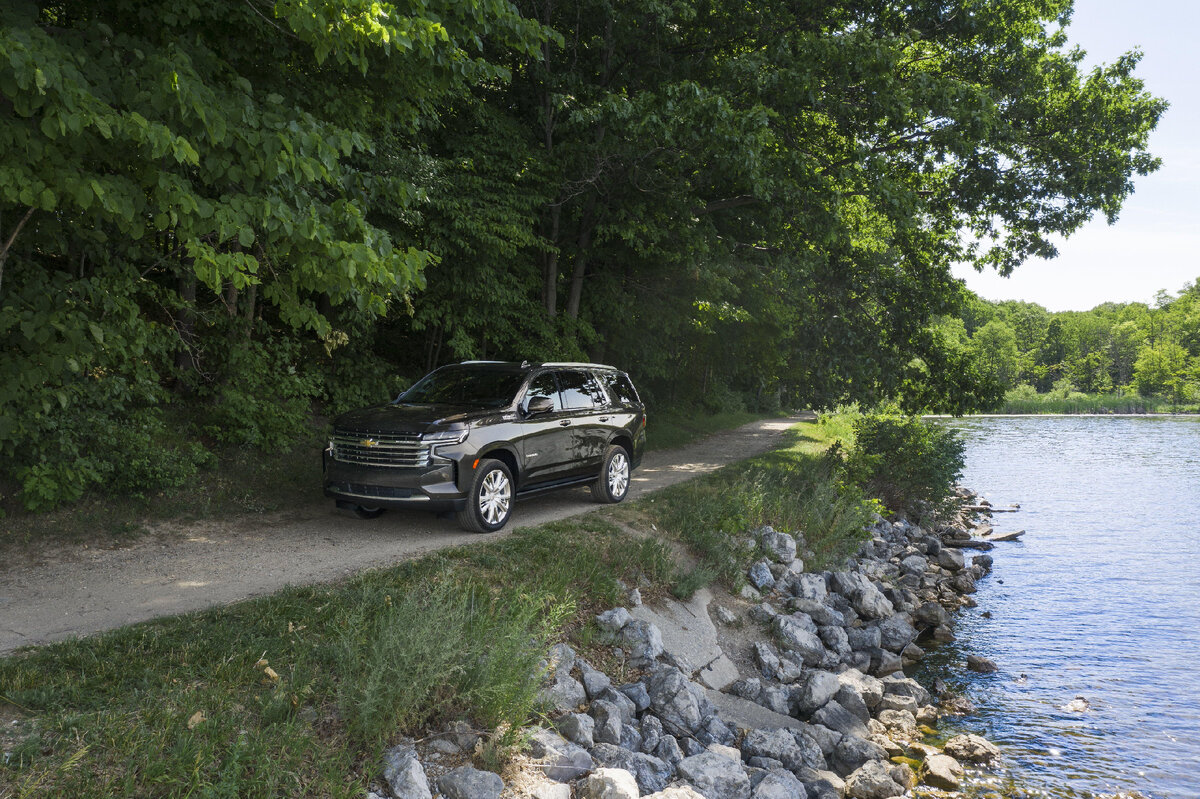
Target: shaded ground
(69,591)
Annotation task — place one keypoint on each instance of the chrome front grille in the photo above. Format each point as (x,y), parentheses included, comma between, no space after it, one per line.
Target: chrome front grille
(402,450)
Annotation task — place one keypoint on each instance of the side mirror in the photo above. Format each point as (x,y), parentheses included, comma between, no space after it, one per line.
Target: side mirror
(539,405)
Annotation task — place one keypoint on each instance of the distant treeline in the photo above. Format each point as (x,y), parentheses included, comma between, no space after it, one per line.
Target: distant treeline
(1115,358)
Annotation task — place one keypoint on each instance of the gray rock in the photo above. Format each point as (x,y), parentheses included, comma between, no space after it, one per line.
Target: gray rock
(715,775)
(780,745)
(764,612)
(716,731)
(779,547)
(763,763)
(870,603)
(824,788)
(896,633)
(668,750)
(837,718)
(931,614)
(942,771)
(760,576)
(595,682)
(608,783)
(613,756)
(749,688)
(870,688)
(821,614)
(972,749)
(608,725)
(676,792)
(613,621)
(465,782)
(623,703)
(863,639)
(564,692)
(899,721)
(773,668)
(749,593)
(724,615)
(635,597)
(577,728)
(779,784)
(853,752)
(835,639)
(815,691)
(873,780)
(643,641)
(561,657)
(652,732)
(562,761)
(404,774)
(906,686)
(912,654)
(825,739)
(809,586)
(943,633)
(631,738)
(794,636)
(898,702)
(981,664)
(680,705)
(914,564)
(963,583)
(884,662)
(652,773)
(950,559)
(775,698)
(852,700)
(636,693)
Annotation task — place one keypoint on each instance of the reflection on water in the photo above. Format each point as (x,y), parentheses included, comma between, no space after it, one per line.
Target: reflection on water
(1100,599)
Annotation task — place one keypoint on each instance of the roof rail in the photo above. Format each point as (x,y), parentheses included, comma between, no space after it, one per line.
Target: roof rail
(462,362)
(577,363)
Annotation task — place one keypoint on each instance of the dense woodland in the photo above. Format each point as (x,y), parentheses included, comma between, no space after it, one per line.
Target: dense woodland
(221,219)
(1132,348)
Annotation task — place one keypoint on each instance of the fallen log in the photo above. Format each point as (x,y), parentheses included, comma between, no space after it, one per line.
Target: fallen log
(983,545)
(1009,536)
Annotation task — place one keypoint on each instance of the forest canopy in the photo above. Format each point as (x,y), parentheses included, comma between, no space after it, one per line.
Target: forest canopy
(219,217)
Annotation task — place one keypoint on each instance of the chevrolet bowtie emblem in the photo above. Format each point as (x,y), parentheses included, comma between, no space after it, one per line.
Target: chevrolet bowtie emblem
(369,442)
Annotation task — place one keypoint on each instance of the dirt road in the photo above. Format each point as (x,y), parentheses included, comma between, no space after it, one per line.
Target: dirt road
(180,568)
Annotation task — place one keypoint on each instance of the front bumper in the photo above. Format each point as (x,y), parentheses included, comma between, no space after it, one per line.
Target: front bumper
(431,488)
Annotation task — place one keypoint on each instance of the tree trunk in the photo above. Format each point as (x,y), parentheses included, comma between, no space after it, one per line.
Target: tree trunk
(9,243)
(550,267)
(185,326)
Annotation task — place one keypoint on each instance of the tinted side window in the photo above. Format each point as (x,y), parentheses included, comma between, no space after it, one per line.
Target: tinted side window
(619,388)
(543,386)
(580,390)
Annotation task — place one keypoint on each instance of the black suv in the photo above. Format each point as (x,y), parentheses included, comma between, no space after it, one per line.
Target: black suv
(472,436)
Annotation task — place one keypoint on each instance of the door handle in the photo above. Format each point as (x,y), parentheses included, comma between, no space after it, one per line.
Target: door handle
(565,423)
(604,418)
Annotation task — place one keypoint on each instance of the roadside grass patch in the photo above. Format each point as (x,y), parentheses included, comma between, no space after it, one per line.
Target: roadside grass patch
(297,693)
(796,488)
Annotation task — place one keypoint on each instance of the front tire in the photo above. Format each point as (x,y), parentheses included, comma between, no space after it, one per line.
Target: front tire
(612,485)
(489,500)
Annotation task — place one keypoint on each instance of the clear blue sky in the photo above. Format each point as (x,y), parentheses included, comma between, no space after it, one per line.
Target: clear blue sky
(1156,242)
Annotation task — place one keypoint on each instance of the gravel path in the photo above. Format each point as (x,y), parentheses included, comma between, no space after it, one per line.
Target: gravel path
(180,568)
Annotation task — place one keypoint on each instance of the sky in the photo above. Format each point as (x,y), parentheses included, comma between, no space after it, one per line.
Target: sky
(1155,243)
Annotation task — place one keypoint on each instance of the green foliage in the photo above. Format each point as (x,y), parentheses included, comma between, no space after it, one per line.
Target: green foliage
(440,649)
(909,464)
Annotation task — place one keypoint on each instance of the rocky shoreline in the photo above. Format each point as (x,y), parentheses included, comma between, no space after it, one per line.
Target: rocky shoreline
(792,690)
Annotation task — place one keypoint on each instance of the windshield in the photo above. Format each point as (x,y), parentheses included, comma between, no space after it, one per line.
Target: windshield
(465,385)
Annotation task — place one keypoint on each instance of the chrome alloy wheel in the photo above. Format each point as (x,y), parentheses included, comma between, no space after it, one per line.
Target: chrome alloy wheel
(618,475)
(495,496)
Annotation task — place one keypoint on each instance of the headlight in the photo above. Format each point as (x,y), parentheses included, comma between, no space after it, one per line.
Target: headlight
(440,438)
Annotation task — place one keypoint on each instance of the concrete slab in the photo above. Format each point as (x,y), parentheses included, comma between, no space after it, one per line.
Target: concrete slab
(688,633)
(749,715)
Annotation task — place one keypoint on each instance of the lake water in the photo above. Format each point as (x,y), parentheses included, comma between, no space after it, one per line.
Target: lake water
(1101,599)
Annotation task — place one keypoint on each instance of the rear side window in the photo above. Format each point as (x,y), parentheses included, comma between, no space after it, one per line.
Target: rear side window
(620,388)
(580,390)
(543,386)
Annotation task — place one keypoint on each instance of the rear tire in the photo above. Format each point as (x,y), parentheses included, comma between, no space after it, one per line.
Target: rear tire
(489,500)
(367,511)
(612,485)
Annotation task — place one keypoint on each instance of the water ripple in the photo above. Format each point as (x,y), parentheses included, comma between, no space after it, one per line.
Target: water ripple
(1100,599)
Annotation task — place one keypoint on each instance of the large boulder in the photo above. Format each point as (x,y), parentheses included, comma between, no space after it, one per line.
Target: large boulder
(795,636)
(779,547)
(642,641)
(817,689)
(780,745)
(853,752)
(608,783)
(760,576)
(577,728)
(837,718)
(560,760)
(779,784)
(465,782)
(900,685)
(972,748)
(809,586)
(680,704)
(942,771)
(870,688)
(403,773)
(950,558)
(873,780)
(563,693)
(608,724)
(715,775)
(895,633)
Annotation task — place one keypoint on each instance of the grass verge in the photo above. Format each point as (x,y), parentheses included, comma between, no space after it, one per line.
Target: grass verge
(297,693)
(1077,403)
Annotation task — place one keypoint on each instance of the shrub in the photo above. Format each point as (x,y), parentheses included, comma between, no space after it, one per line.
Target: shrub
(909,464)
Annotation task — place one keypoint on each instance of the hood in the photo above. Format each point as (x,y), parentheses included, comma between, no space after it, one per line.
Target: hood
(403,418)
